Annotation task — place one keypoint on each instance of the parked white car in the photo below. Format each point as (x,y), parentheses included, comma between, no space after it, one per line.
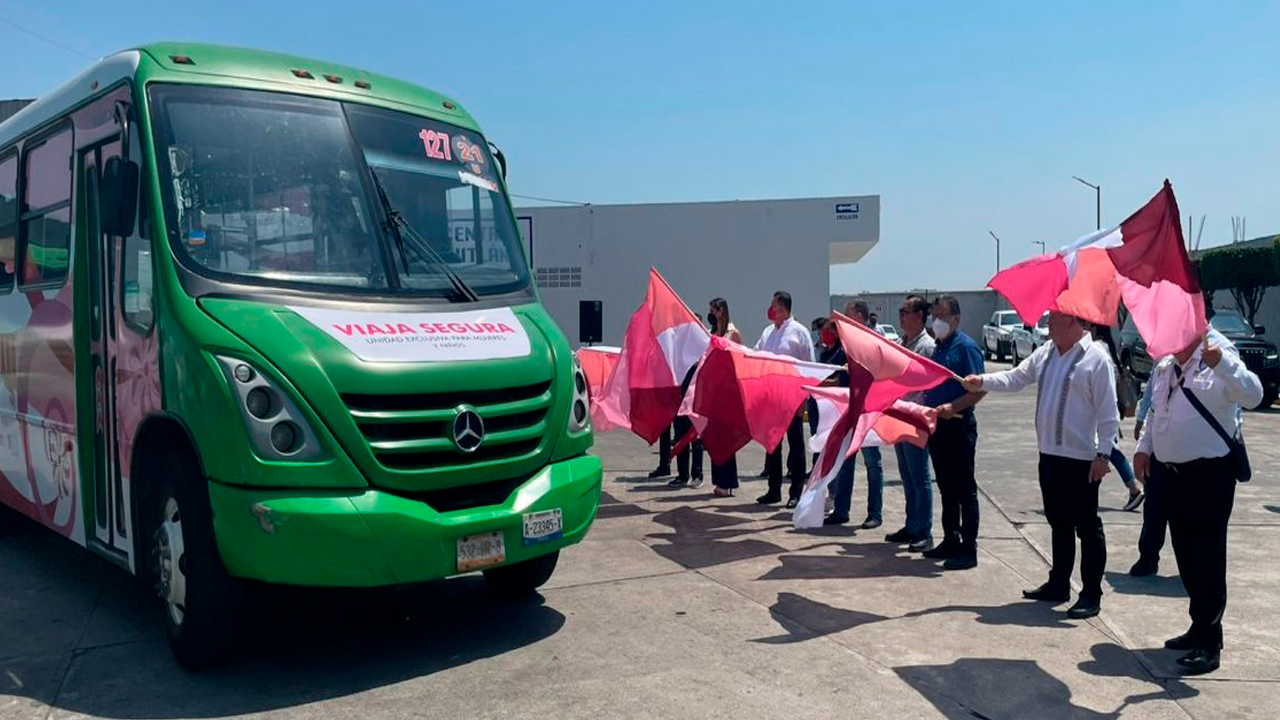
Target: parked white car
(889,332)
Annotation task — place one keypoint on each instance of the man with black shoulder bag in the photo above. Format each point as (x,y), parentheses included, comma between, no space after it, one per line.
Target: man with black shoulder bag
(1193,446)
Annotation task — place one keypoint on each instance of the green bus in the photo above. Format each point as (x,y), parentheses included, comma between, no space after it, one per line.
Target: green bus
(265,318)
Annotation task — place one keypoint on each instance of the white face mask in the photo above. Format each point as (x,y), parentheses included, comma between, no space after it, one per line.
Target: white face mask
(941,328)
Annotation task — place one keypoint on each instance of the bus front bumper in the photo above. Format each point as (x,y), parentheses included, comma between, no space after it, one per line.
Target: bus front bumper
(374,538)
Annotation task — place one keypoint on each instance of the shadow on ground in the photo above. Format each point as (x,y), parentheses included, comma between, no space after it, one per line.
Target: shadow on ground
(84,624)
(1153,585)
(1013,688)
(853,561)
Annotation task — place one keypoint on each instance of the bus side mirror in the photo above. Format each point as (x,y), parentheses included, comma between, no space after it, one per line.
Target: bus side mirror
(118,197)
(502,159)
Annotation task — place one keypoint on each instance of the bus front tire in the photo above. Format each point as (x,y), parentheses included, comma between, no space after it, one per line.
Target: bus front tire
(203,605)
(522,578)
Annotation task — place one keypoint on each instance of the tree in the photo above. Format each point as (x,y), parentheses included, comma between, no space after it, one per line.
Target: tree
(1245,272)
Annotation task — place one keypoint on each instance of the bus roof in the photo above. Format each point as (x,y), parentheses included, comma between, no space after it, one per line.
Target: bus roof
(240,67)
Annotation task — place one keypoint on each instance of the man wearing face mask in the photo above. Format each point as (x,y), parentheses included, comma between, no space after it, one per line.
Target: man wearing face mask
(955,441)
(785,336)
(913,462)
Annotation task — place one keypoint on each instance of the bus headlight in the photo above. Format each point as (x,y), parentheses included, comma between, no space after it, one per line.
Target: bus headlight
(580,407)
(276,427)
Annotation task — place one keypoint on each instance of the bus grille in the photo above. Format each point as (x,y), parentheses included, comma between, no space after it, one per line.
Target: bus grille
(415,432)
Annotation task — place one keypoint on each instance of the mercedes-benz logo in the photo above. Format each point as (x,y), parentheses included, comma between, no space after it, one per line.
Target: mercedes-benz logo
(468,430)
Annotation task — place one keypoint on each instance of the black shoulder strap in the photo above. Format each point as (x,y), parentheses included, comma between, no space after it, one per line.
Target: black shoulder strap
(1209,418)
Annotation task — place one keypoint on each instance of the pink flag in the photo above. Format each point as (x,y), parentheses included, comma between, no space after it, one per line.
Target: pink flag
(598,364)
(664,339)
(739,395)
(901,422)
(1143,261)
(895,369)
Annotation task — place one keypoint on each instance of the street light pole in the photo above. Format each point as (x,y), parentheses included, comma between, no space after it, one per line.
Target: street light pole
(997,239)
(1097,189)
(1040,243)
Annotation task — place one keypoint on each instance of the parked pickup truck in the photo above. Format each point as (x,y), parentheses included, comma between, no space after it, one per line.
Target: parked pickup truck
(997,334)
(1259,355)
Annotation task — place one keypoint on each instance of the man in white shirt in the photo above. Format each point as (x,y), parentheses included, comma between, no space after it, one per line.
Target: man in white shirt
(1186,456)
(785,336)
(1076,424)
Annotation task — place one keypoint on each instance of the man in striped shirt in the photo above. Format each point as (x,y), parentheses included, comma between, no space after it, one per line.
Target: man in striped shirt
(1076,424)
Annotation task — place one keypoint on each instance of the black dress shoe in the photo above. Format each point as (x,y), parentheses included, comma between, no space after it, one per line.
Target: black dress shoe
(962,560)
(1199,662)
(943,551)
(1084,609)
(1048,593)
(923,545)
(678,482)
(835,520)
(661,472)
(872,523)
(900,536)
(792,503)
(1144,567)
(1182,642)
(769,498)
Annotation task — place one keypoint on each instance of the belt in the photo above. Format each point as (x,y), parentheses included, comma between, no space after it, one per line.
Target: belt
(1199,464)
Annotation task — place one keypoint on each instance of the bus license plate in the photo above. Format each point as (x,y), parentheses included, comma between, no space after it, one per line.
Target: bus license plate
(540,527)
(478,551)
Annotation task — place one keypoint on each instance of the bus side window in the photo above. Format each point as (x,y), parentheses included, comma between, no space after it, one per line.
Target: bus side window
(8,219)
(136,291)
(45,239)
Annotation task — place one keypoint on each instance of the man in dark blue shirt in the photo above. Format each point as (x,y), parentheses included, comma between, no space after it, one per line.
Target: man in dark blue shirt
(955,441)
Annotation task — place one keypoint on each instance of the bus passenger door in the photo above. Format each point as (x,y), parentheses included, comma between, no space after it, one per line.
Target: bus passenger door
(110,508)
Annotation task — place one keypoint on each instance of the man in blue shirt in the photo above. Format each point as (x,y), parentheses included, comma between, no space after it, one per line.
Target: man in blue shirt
(955,441)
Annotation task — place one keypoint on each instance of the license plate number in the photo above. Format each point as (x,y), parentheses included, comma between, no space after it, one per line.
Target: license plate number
(478,551)
(545,526)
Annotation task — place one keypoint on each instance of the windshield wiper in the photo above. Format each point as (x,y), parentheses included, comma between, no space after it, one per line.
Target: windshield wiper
(400,229)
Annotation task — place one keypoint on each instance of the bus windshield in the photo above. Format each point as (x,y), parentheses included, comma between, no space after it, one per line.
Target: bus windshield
(283,190)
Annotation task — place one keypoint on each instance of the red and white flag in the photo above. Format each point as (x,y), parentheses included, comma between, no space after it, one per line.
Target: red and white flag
(880,373)
(901,422)
(598,364)
(664,339)
(1143,261)
(739,395)
(895,370)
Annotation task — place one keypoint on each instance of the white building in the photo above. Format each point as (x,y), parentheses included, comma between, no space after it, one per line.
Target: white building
(742,251)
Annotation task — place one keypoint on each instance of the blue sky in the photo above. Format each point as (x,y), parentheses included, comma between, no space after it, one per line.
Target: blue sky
(964,118)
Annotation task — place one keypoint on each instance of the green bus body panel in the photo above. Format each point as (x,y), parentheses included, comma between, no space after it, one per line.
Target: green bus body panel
(371,538)
(255,69)
(360,515)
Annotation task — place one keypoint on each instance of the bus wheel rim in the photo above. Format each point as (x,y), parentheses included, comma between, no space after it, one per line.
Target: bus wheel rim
(171,552)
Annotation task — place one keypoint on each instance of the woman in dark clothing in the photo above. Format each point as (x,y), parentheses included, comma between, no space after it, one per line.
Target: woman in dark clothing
(724,476)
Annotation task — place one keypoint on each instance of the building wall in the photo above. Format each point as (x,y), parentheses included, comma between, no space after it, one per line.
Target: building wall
(8,108)
(976,306)
(742,251)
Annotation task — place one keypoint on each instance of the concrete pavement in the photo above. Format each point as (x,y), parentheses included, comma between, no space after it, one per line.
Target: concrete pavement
(682,605)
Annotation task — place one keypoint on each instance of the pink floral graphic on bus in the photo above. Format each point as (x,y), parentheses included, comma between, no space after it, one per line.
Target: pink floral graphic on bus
(137,389)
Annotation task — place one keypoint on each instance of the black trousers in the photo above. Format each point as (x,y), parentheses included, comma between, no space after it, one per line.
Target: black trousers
(664,450)
(952,448)
(681,427)
(795,460)
(1155,517)
(1071,507)
(725,475)
(1201,495)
